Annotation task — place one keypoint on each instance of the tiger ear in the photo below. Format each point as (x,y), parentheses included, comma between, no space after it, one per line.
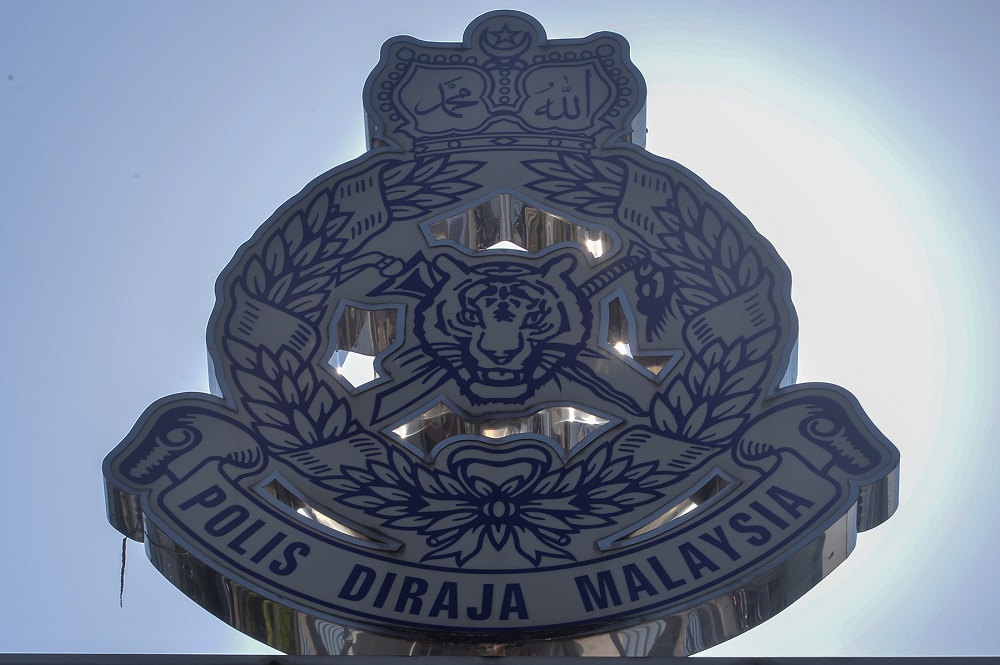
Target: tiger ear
(446,266)
(561,265)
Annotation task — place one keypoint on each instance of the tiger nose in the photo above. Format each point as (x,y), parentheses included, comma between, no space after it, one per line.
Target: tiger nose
(500,346)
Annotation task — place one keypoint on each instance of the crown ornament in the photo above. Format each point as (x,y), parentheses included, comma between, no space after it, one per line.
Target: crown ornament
(505,87)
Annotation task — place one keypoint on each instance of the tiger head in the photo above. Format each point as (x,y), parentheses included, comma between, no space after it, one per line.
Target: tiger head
(502,329)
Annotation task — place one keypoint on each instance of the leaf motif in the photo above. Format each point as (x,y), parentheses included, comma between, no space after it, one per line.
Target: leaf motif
(670,220)
(242,354)
(635,498)
(311,285)
(681,261)
(600,208)
(721,431)
(732,360)
(274,255)
(306,303)
(289,390)
(390,493)
(294,232)
(725,283)
(429,201)
(676,244)
(586,521)
(398,172)
(427,168)
(760,345)
(570,479)
(279,438)
(746,379)
(679,397)
(695,421)
(614,470)
(596,462)
(608,491)
(604,189)
(712,383)
(549,169)
(663,417)
(363,501)
(730,248)
(255,278)
(280,289)
(578,167)
(697,247)
(749,269)
(692,279)
(696,376)
(305,255)
(288,360)
(711,227)
(734,405)
(610,170)
(268,364)
(401,192)
(255,388)
(406,212)
(318,211)
(688,206)
(321,405)
(696,296)
(713,353)
(410,522)
(342,485)
(304,427)
(305,381)
(386,474)
(266,413)
(574,198)
(337,423)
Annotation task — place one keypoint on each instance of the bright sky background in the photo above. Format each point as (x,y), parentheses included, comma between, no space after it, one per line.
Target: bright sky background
(142,143)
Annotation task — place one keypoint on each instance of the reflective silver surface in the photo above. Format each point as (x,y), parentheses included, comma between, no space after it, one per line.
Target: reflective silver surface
(698,627)
(510,386)
(507,222)
(566,425)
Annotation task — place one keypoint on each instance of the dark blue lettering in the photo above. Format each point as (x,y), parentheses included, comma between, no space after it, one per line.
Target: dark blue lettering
(271,544)
(739,522)
(210,498)
(600,595)
(696,560)
(636,582)
(236,544)
(383,591)
(358,583)
(413,589)
(720,541)
(664,576)
(219,526)
(446,601)
(486,610)
(789,501)
(289,564)
(513,603)
(769,516)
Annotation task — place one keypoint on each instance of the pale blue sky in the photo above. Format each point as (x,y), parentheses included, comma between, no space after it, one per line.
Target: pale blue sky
(142,143)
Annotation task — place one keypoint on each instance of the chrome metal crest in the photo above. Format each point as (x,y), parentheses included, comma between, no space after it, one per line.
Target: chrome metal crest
(505,384)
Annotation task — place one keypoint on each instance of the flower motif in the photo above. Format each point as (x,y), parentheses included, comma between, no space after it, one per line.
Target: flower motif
(518,499)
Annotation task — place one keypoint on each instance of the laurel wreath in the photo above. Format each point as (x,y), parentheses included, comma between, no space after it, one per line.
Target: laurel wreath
(296,267)
(540,513)
(708,401)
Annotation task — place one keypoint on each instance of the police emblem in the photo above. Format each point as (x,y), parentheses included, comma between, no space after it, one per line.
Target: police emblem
(505,384)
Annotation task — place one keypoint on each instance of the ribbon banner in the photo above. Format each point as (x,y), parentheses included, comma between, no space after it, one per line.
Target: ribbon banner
(506,384)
